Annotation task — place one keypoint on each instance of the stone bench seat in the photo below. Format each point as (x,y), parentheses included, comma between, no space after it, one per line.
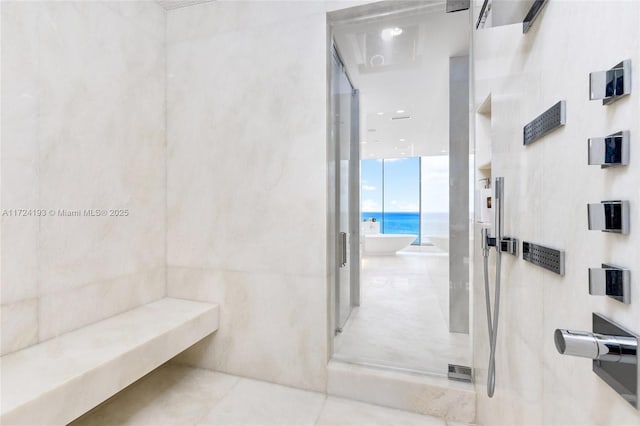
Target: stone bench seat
(60,379)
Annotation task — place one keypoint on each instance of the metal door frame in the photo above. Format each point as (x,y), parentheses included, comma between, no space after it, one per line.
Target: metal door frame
(354,198)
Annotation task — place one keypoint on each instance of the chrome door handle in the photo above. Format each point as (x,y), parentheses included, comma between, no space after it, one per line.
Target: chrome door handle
(343,249)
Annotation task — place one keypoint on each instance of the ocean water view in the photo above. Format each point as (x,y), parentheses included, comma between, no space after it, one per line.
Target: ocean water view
(409,222)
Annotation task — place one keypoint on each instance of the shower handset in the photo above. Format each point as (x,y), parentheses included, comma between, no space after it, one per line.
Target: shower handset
(498,241)
(501,244)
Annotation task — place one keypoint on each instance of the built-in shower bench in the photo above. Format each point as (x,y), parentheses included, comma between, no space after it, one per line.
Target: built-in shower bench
(58,380)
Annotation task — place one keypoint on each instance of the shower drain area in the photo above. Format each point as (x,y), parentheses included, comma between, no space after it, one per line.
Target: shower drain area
(461,373)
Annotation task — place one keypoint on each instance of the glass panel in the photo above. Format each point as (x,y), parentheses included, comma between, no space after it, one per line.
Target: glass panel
(401,212)
(371,190)
(341,134)
(435,200)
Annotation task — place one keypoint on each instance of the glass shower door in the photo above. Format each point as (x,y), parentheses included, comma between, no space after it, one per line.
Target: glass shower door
(344,129)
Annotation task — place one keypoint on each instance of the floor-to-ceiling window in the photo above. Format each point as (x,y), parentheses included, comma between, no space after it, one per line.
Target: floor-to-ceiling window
(390,191)
(434,195)
(401,210)
(371,190)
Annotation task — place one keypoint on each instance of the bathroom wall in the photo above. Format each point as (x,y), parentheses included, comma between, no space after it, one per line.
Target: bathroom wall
(247,183)
(547,187)
(82,128)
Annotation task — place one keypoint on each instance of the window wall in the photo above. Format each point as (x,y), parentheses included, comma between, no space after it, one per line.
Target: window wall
(434,194)
(390,191)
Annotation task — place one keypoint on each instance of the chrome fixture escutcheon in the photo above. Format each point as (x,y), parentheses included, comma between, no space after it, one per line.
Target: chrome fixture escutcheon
(609,216)
(609,151)
(612,84)
(611,281)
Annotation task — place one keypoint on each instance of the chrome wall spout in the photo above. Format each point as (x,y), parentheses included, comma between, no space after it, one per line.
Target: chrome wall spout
(613,349)
(597,346)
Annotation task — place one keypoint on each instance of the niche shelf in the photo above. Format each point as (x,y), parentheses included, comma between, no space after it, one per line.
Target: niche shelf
(483,141)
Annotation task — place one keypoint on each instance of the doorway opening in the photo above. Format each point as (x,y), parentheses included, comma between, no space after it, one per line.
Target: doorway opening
(399,132)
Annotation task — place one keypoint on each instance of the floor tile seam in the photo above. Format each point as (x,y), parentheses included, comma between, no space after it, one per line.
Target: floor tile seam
(206,413)
(322,408)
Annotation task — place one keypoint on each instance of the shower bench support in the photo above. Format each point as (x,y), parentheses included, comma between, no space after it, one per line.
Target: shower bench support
(58,380)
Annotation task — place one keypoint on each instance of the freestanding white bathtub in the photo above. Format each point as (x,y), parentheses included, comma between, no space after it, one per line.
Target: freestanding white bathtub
(387,243)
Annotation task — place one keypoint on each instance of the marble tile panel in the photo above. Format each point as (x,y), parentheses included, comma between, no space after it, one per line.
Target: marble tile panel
(71,309)
(430,395)
(251,402)
(272,327)
(175,395)
(147,15)
(19,150)
(85,91)
(194,22)
(19,263)
(19,325)
(265,135)
(170,395)
(340,411)
(562,394)
(76,250)
(104,83)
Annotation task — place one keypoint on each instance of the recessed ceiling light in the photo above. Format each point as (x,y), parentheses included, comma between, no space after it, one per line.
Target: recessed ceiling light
(380,113)
(363,142)
(444,150)
(400,111)
(389,33)
(402,140)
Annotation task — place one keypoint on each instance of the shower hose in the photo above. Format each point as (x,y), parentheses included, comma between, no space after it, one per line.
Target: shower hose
(493,324)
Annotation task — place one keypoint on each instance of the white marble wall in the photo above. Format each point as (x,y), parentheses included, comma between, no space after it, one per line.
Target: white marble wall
(82,128)
(548,185)
(247,183)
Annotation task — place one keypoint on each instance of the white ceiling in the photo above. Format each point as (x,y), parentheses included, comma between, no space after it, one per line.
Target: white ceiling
(414,78)
(175,4)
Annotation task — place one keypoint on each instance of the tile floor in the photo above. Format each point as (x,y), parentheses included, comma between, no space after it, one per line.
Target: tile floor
(180,395)
(402,320)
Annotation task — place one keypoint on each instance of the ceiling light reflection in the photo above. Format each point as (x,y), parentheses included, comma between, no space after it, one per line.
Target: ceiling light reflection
(389,33)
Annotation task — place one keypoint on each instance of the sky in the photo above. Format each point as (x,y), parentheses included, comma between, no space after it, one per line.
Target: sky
(402,184)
